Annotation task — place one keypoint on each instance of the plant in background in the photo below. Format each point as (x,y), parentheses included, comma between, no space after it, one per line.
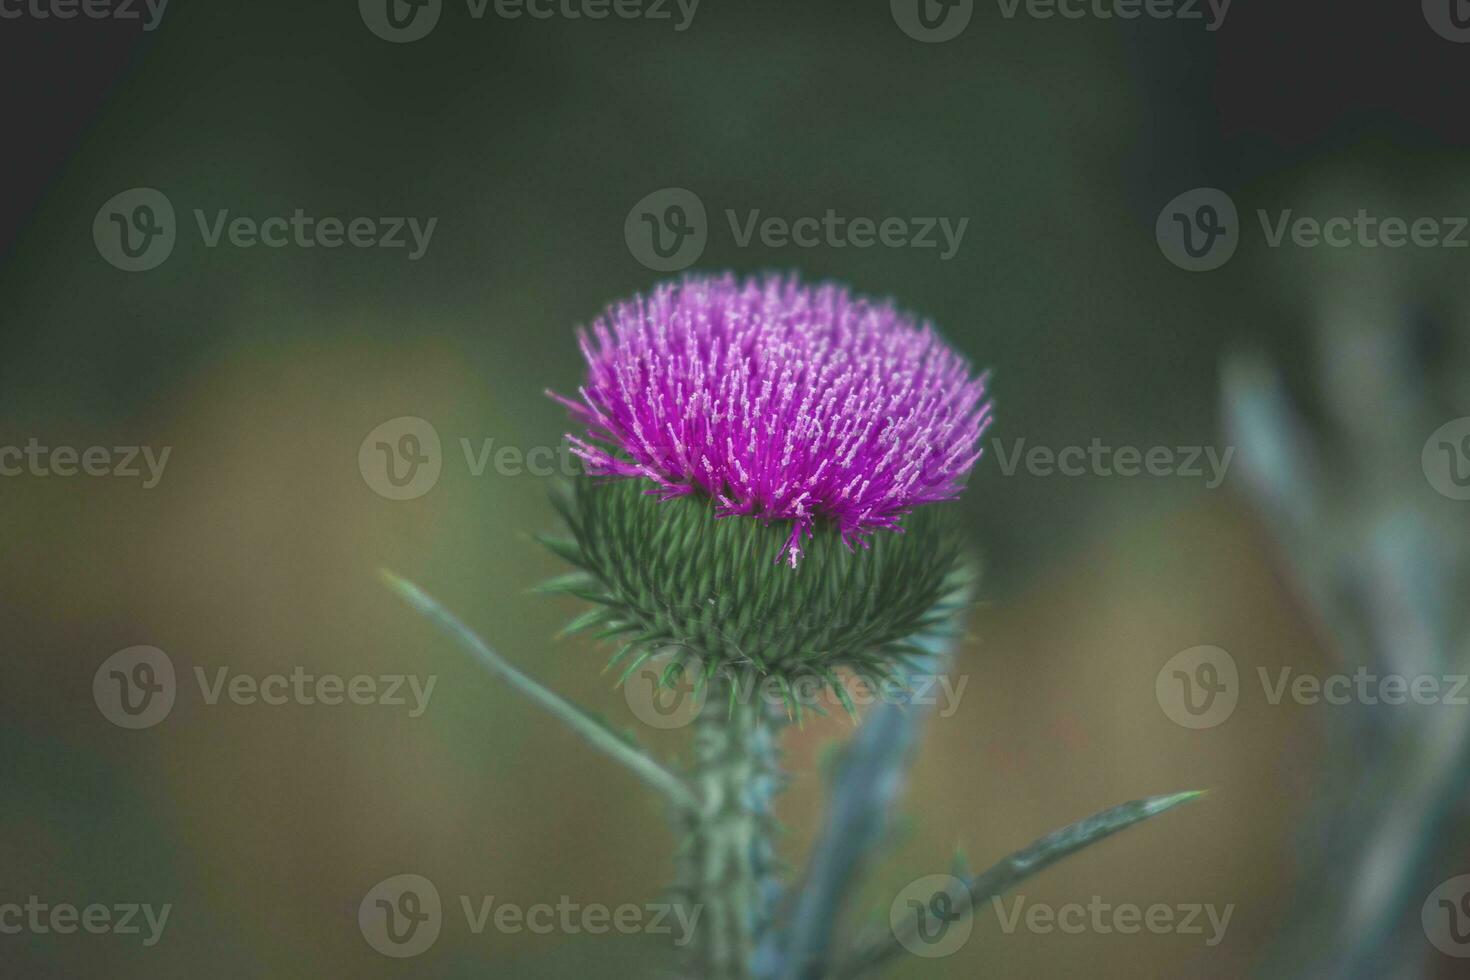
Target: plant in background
(767,462)
(1383,565)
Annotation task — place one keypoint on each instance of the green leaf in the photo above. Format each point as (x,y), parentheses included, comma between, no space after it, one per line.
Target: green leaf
(592,617)
(1011,871)
(565,548)
(599,734)
(573,583)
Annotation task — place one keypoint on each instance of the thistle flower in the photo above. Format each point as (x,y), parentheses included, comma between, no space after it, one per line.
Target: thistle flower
(718,412)
(735,423)
(780,401)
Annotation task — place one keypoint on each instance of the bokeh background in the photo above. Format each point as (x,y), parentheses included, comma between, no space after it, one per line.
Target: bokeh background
(264,370)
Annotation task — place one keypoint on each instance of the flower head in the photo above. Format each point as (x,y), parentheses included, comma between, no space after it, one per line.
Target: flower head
(780,401)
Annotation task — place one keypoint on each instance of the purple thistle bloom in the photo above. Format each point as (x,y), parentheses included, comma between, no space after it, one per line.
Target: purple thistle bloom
(781,401)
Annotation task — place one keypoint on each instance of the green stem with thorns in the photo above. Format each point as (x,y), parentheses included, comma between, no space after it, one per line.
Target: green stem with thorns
(727,871)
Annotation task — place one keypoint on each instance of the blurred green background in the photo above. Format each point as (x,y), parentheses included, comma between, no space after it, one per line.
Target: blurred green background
(529,141)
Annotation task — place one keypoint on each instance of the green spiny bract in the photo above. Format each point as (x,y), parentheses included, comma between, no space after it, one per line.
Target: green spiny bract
(668,577)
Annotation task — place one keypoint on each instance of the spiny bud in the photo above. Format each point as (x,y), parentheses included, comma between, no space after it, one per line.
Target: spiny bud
(735,424)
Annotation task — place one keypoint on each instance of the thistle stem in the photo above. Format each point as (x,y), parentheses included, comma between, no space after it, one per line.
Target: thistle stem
(727,866)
